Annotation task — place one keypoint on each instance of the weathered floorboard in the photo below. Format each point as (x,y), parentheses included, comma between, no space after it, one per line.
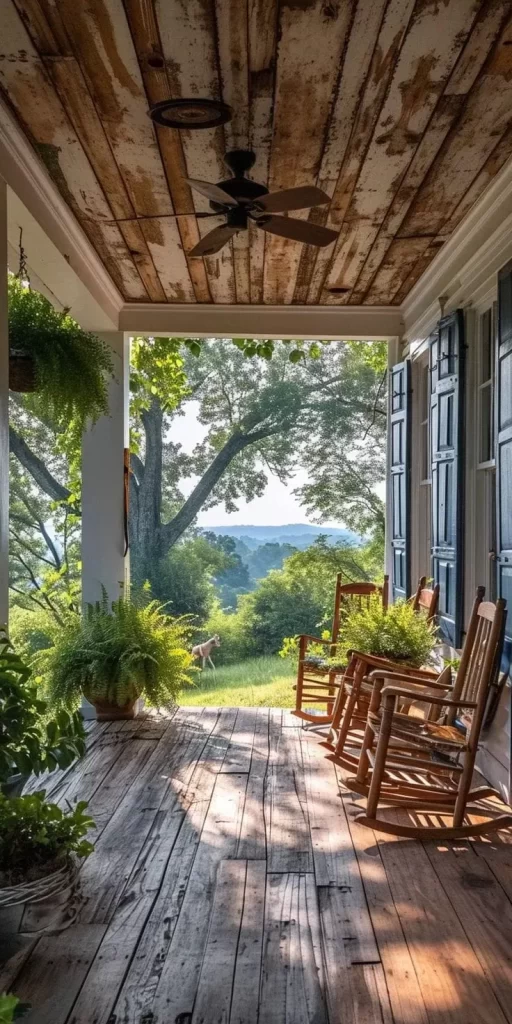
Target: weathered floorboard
(183,914)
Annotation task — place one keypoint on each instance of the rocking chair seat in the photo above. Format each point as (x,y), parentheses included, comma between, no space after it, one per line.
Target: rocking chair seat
(419,733)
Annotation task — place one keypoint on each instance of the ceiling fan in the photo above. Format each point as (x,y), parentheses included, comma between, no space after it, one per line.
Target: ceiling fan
(242,200)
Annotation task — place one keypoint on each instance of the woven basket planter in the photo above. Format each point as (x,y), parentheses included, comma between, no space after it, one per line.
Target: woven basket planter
(45,906)
(22,372)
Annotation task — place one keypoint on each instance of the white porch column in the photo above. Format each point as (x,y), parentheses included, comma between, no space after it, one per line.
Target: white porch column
(393,357)
(4,413)
(104,563)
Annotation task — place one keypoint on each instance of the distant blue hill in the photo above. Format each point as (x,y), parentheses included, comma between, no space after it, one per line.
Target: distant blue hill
(301,535)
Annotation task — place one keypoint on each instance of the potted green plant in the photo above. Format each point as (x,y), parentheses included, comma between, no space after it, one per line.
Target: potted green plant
(116,654)
(51,354)
(31,739)
(397,633)
(40,850)
(11,1009)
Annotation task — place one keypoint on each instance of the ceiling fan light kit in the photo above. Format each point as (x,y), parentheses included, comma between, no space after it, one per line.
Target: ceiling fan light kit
(191,114)
(240,200)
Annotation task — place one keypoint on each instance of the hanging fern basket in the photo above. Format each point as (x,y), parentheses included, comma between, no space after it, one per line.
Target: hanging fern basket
(22,372)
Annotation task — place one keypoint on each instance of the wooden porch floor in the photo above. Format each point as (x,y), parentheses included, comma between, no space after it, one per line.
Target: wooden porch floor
(231,884)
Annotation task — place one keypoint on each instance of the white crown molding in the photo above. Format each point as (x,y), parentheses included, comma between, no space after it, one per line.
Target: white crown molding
(371,323)
(28,179)
(465,268)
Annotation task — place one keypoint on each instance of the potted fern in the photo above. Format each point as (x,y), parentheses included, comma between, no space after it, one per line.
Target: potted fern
(50,353)
(114,655)
(397,633)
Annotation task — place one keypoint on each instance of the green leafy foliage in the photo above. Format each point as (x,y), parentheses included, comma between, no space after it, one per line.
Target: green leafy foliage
(11,1009)
(72,365)
(31,740)
(36,837)
(398,633)
(118,654)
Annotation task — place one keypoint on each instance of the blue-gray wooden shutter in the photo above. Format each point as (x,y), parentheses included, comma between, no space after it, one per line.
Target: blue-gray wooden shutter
(503,406)
(400,444)
(447,446)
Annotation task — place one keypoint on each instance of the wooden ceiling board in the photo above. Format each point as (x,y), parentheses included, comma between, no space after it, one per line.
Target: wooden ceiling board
(426,59)
(146,39)
(188,35)
(401,110)
(361,43)
(164,244)
(485,31)
(387,47)
(486,117)
(262,44)
(311,42)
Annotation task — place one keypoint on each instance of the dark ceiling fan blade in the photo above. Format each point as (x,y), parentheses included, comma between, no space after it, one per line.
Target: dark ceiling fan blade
(211,191)
(301,198)
(214,240)
(299,230)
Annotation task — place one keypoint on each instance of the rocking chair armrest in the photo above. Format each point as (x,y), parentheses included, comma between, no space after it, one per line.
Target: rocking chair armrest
(392,666)
(426,698)
(404,677)
(315,639)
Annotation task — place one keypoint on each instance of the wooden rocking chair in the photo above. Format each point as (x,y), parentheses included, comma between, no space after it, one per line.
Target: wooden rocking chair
(316,679)
(426,765)
(348,719)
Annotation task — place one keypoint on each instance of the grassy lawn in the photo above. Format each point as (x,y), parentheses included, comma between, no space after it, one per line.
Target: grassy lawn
(257,682)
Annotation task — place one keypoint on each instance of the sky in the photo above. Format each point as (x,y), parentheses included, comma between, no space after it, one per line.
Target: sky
(276,507)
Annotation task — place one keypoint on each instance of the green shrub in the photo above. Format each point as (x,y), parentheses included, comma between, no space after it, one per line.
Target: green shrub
(36,837)
(11,1009)
(118,654)
(398,633)
(234,630)
(31,740)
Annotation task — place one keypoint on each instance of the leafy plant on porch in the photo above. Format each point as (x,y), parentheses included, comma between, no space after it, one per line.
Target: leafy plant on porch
(119,653)
(11,1008)
(32,740)
(37,837)
(72,365)
(397,633)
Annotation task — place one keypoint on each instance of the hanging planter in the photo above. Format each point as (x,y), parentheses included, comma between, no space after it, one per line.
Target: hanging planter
(51,357)
(22,372)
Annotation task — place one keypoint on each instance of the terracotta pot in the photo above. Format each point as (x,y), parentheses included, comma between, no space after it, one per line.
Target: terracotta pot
(22,372)
(107,712)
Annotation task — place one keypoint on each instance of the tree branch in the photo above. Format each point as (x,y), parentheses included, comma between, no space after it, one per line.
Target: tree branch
(37,469)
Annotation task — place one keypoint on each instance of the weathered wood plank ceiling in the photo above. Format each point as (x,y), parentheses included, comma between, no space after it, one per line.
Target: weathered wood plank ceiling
(400,110)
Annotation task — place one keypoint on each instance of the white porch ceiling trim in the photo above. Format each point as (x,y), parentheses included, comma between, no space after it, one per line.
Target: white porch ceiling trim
(464,271)
(371,323)
(28,179)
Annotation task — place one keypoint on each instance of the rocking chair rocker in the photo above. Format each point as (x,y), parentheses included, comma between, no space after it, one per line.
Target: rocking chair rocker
(316,679)
(417,761)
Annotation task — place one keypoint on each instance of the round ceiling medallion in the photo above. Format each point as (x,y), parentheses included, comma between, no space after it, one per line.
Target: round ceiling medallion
(190,113)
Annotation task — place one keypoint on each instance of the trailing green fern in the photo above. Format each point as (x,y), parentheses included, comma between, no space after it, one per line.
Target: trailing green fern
(118,654)
(72,365)
(398,633)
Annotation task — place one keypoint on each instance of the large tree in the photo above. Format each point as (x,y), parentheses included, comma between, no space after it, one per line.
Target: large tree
(271,415)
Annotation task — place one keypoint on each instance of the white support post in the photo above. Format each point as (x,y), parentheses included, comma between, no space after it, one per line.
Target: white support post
(4,413)
(393,357)
(104,562)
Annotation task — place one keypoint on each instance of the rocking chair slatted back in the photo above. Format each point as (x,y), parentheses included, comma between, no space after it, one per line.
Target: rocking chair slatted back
(345,596)
(483,660)
(426,599)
